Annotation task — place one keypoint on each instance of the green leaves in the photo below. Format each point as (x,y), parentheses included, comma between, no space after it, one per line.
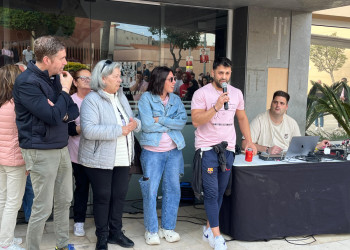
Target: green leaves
(38,22)
(178,38)
(329,104)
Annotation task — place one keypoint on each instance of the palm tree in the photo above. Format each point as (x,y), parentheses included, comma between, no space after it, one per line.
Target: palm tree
(329,104)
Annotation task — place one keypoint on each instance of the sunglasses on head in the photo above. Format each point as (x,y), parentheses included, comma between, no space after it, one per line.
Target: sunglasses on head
(107,62)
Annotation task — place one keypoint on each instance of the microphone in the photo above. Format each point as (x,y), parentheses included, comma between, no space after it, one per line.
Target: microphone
(224,87)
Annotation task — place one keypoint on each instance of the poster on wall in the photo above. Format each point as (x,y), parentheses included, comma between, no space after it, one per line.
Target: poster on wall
(189,63)
(204,57)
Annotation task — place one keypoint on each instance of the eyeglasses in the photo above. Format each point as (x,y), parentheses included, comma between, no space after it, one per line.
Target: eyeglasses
(107,62)
(171,79)
(177,71)
(84,78)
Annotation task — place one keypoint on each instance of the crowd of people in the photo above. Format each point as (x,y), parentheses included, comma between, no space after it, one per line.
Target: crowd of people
(50,135)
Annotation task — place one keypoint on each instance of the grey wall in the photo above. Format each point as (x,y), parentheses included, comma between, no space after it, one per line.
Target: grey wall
(274,39)
(299,66)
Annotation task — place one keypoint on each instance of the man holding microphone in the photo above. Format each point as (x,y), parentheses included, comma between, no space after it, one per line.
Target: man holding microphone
(215,138)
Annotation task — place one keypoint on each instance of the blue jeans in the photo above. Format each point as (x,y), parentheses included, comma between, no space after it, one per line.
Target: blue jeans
(170,165)
(28,199)
(214,183)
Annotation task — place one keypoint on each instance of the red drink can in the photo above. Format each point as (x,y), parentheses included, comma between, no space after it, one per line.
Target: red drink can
(249,154)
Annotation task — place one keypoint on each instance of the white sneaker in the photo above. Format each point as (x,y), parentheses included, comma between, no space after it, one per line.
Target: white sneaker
(169,235)
(13,246)
(220,243)
(152,238)
(208,236)
(79,229)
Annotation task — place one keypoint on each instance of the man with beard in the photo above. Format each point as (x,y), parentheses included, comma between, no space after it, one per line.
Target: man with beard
(215,129)
(273,129)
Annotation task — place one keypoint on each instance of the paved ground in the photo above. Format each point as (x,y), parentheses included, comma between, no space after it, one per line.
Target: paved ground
(191,236)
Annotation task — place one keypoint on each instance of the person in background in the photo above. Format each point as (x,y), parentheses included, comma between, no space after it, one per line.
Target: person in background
(344,93)
(81,81)
(179,82)
(200,80)
(145,71)
(139,86)
(43,108)
(106,150)
(12,166)
(163,116)
(28,55)
(215,128)
(205,80)
(15,52)
(186,78)
(6,51)
(193,78)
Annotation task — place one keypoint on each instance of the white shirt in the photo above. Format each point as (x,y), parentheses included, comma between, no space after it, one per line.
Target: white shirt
(265,132)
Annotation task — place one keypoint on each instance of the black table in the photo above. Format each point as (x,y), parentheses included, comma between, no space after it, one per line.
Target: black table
(269,202)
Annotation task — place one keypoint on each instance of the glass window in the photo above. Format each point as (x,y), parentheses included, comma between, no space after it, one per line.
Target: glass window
(140,36)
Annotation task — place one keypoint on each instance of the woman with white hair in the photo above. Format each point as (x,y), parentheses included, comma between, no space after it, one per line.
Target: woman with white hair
(107,149)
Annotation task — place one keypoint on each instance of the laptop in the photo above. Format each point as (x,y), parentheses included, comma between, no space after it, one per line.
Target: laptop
(302,146)
(299,146)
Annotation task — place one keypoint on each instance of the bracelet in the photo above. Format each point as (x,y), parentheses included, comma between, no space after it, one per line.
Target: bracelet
(267,150)
(215,108)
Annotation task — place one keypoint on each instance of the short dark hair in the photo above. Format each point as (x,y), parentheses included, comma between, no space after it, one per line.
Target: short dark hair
(157,80)
(47,46)
(281,93)
(224,61)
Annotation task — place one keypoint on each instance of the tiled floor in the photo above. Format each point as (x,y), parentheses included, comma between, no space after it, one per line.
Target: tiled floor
(191,236)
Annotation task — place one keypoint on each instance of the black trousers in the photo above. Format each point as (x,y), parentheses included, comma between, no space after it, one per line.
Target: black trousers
(109,189)
(81,192)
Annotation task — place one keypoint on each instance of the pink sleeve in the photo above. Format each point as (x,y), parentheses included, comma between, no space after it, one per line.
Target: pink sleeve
(240,105)
(198,101)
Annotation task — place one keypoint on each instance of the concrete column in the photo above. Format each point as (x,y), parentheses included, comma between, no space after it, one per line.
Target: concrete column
(270,38)
(299,66)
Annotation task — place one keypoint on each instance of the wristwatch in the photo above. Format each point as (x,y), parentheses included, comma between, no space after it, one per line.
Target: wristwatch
(267,149)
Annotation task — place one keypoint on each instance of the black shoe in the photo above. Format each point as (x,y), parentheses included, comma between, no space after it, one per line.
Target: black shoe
(101,243)
(120,239)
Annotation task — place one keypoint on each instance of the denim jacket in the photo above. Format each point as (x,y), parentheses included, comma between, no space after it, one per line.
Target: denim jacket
(172,119)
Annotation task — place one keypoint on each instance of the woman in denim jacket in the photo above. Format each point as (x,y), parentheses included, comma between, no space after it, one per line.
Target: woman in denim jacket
(163,116)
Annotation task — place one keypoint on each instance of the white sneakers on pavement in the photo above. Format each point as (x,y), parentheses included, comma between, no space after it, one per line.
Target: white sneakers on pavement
(208,236)
(169,235)
(79,229)
(152,238)
(219,243)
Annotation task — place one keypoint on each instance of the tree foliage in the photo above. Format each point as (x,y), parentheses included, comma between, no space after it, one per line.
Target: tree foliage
(38,23)
(329,104)
(178,39)
(327,58)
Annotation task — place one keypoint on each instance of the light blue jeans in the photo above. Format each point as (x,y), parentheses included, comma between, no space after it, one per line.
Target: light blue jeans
(170,165)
